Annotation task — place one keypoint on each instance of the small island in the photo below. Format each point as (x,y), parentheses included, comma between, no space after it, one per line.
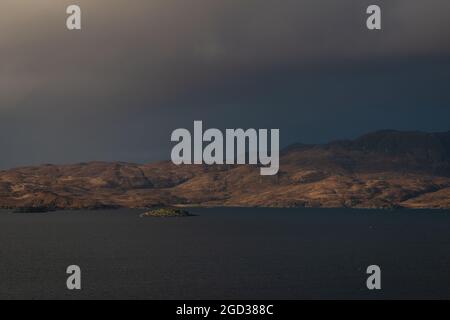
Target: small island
(167,213)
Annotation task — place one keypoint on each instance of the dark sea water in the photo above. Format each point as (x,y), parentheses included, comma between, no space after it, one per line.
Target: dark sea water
(226,253)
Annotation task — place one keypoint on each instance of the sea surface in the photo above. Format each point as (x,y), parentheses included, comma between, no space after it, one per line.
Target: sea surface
(226,253)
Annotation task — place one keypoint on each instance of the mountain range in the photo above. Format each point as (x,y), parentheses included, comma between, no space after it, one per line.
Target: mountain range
(383,169)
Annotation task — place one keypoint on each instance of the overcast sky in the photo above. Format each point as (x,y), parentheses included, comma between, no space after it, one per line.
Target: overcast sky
(140,69)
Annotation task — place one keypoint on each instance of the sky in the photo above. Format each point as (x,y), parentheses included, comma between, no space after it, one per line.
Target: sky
(138,70)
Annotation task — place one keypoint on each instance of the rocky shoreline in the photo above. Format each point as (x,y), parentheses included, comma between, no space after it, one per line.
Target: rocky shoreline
(33,209)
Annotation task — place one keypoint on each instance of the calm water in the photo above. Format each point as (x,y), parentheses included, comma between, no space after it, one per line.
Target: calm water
(226,254)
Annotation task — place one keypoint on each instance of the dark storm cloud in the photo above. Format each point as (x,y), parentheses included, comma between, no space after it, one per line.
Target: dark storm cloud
(140,69)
